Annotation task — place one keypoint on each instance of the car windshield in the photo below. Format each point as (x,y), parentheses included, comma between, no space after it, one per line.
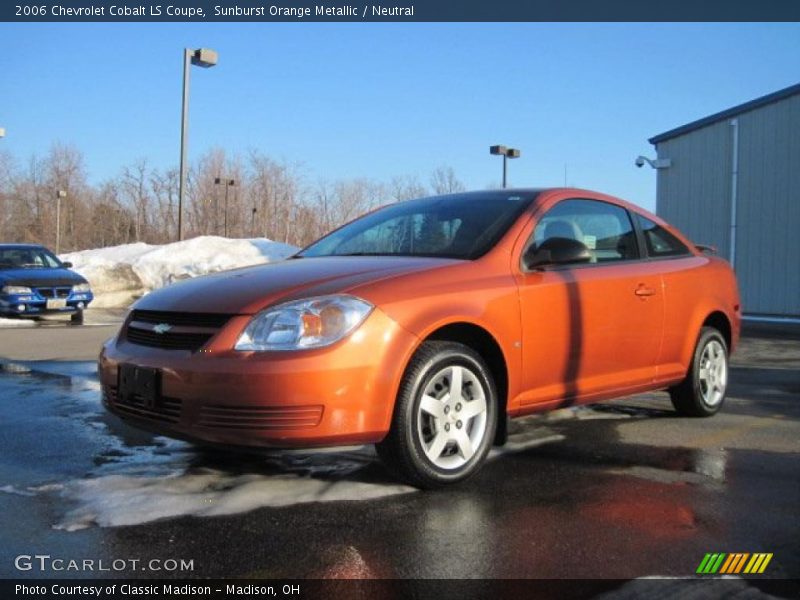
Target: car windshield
(27,258)
(462,226)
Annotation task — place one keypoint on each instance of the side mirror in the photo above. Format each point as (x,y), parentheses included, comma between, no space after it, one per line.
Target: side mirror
(557,251)
(67,265)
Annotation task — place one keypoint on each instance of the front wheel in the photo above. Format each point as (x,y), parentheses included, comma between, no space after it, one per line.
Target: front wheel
(444,418)
(76,318)
(702,393)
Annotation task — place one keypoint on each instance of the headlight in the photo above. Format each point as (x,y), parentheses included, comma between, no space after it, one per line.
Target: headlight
(311,323)
(16,290)
(82,288)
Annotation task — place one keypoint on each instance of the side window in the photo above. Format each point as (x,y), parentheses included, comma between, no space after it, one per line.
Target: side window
(660,242)
(604,228)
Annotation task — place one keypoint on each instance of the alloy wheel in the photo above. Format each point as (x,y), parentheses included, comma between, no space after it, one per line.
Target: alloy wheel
(452,417)
(713,373)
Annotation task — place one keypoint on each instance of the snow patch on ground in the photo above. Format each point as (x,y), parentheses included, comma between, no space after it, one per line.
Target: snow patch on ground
(146,485)
(119,274)
(10,489)
(118,500)
(14,323)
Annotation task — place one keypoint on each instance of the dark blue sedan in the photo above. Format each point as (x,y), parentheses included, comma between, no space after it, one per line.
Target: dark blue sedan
(33,282)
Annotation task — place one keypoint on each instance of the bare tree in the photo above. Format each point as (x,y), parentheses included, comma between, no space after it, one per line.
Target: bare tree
(444,181)
(133,186)
(165,190)
(405,187)
(270,199)
(64,170)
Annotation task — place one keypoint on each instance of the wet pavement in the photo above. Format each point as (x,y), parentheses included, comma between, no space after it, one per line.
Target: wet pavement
(54,338)
(623,490)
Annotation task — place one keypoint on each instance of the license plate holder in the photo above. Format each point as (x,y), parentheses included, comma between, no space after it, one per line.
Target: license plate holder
(56,303)
(138,385)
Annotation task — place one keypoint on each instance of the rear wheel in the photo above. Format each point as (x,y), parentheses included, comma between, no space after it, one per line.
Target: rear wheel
(77,318)
(702,393)
(444,419)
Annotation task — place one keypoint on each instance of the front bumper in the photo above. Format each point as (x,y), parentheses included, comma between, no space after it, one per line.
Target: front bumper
(31,305)
(340,395)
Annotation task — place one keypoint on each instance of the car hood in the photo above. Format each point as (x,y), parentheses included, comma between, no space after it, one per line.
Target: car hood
(39,277)
(251,289)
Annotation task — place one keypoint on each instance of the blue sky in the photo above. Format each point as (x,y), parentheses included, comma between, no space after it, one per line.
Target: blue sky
(377,100)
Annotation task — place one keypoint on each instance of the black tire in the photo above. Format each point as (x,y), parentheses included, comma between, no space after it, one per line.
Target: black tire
(76,318)
(403,449)
(692,397)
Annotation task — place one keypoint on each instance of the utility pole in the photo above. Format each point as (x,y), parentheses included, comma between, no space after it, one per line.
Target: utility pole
(202,57)
(228,183)
(59,195)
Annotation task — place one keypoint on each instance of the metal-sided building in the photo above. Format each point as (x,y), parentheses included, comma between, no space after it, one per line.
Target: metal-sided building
(732,180)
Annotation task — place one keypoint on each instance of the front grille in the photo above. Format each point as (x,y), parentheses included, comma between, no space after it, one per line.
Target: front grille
(58,292)
(212,320)
(173,330)
(263,417)
(168,341)
(165,410)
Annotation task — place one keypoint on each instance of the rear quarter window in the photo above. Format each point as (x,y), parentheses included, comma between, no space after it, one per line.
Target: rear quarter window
(659,241)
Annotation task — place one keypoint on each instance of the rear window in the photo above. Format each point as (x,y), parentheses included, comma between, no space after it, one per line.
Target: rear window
(659,241)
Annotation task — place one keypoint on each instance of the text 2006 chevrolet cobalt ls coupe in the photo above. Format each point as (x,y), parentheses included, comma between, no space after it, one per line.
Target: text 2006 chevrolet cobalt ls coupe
(422,326)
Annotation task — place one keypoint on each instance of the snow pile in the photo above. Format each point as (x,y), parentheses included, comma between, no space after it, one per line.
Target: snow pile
(119,274)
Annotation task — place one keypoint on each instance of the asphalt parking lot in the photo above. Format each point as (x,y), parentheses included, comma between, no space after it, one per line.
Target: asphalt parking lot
(623,490)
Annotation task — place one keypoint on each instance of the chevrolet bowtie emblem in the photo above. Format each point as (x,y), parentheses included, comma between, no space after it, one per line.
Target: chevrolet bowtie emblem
(162,328)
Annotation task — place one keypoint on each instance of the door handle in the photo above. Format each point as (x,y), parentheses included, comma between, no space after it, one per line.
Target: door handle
(643,291)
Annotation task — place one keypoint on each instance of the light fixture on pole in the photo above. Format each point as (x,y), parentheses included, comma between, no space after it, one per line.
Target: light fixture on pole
(202,57)
(228,183)
(59,195)
(658,163)
(506,153)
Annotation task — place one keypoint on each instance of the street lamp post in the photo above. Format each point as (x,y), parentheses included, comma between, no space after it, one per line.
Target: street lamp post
(202,57)
(506,153)
(59,195)
(228,183)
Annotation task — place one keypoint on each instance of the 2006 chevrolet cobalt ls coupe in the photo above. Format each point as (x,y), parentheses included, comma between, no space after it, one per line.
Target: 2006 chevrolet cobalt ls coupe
(422,326)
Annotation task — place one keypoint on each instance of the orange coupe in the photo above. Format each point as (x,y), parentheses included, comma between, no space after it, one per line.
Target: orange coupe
(423,326)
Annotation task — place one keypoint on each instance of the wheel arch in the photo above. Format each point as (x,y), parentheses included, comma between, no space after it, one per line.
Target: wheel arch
(485,344)
(720,321)
(706,316)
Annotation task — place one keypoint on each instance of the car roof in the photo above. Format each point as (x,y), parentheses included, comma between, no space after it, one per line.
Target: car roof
(15,245)
(486,194)
(542,193)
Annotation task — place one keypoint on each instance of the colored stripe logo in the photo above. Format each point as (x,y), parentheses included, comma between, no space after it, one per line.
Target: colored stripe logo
(734,563)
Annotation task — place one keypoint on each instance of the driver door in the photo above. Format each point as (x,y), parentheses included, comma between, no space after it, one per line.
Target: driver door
(591,329)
